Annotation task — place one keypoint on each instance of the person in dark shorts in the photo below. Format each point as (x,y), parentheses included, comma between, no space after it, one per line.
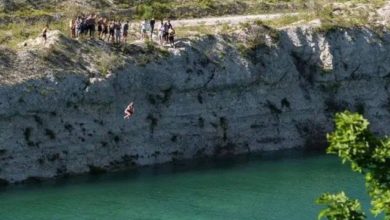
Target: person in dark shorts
(171,37)
(78,27)
(105,29)
(167,26)
(165,34)
(152,23)
(111,34)
(118,27)
(82,26)
(100,27)
(125,32)
(92,26)
(87,25)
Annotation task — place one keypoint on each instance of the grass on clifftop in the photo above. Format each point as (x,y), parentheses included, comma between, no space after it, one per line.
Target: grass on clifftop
(26,19)
(162,8)
(13,34)
(355,13)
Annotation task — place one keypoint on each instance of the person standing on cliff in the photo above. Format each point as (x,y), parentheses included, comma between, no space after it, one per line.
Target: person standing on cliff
(105,24)
(78,26)
(125,32)
(111,35)
(152,23)
(100,27)
(161,32)
(44,32)
(118,29)
(171,37)
(72,26)
(167,26)
(92,26)
(144,27)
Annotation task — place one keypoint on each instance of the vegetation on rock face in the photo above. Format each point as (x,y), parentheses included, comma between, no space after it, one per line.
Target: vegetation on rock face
(353,142)
(257,35)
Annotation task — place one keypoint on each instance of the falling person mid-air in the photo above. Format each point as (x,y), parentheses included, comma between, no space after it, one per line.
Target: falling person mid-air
(129,111)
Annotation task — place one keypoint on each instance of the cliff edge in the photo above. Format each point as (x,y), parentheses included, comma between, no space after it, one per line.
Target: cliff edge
(250,91)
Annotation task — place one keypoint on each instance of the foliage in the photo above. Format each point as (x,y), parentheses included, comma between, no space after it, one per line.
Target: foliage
(257,36)
(153,9)
(107,62)
(340,207)
(331,21)
(206,3)
(289,20)
(353,13)
(353,142)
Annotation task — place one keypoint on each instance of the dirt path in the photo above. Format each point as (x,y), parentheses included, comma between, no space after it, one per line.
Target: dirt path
(210,21)
(227,19)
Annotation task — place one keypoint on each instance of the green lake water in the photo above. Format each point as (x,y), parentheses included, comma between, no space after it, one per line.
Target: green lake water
(277,188)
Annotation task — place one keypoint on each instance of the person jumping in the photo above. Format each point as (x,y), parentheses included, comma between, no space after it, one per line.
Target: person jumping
(129,111)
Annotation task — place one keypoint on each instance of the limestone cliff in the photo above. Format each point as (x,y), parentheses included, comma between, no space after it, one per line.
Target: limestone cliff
(205,99)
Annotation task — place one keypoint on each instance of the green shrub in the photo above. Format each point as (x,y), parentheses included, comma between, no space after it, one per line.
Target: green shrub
(354,143)
(340,207)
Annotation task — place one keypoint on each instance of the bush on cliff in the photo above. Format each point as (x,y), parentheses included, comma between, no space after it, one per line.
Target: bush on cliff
(369,155)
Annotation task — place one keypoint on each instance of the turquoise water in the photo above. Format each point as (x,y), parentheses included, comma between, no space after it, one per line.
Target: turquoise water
(255,188)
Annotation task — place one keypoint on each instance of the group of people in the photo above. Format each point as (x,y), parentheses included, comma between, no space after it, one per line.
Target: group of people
(117,31)
(114,31)
(166,32)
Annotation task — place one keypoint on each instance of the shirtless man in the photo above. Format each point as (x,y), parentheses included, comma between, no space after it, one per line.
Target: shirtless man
(129,111)
(111,28)
(171,37)
(44,32)
(100,27)
(125,32)
(72,27)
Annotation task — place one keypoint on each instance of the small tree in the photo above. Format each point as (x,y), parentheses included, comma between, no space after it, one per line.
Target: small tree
(153,9)
(340,207)
(160,10)
(206,3)
(353,142)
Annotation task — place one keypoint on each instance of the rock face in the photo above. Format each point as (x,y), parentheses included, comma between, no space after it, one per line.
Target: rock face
(205,100)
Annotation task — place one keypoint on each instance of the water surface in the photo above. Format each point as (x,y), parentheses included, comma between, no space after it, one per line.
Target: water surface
(255,188)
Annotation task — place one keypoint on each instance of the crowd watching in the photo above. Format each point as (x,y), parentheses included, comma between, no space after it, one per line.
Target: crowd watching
(117,31)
